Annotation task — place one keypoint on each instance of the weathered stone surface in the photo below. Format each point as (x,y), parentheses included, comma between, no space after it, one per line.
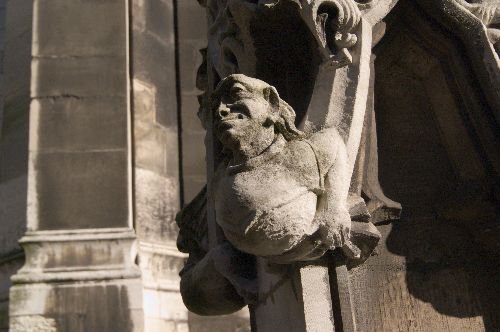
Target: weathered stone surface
(154,55)
(157,67)
(419,77)
(79,77)
(156,163)
(237,322)
(435,101)
(103,34)
(192,38)
(280,192)
(80,189)
(76,307)
(9,264)
(430,272)
(87,124)
(80,272)
(155,18)
(157,201)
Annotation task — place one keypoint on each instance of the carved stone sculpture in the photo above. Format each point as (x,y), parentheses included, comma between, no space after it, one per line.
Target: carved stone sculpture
(293,193)
(280,194)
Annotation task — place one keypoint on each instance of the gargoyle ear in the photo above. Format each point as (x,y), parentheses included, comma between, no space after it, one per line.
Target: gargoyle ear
(272,96)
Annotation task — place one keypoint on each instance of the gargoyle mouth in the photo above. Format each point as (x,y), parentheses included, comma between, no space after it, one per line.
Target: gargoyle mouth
(224,125)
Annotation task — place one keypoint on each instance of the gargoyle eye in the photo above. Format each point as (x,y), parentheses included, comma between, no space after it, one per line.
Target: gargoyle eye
(236,89)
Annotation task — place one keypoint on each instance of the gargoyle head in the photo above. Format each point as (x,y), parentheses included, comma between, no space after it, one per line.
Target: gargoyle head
(249,114)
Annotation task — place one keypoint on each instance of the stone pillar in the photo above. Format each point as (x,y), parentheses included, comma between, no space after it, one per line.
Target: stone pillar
(156,162)
(79,273)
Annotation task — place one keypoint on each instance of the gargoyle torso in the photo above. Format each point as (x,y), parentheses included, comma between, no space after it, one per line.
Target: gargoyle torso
(267,205)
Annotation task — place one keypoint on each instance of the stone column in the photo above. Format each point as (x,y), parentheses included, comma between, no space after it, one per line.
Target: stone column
(156,162)
(79,273)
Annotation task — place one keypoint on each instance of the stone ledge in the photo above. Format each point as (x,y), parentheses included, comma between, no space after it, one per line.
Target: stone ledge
(169,249)
(66,276)
(160,265)
(78,235)
(77,255)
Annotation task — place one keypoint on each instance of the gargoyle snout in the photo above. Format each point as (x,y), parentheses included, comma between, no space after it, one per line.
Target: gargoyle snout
(223,112)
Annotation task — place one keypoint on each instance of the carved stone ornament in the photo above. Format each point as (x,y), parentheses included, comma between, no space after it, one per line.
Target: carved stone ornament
(282,181)
(279,193)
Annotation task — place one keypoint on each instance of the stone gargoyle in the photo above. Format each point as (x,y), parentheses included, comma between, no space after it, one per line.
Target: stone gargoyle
(280,194)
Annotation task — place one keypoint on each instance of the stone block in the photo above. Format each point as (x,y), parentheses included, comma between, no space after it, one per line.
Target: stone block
(77,306)
(154,17)
(73,254)
(172,307)
(81,189)
(160,263)
(237,322)
(154,63)
(79,28)
(86,76)
(150,147)
(156,146)
(156,203)
(85,124)
(151,303)
(155,324)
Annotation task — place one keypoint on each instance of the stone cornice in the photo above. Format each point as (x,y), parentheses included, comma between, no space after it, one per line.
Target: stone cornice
(76,255)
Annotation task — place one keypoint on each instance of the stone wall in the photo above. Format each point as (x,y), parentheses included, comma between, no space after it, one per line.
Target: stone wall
(156,162)
(192,30)
(430,272)
(79,272)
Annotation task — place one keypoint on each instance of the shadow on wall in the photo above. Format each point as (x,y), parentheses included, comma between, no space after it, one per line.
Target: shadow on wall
(15,74)
(432,163)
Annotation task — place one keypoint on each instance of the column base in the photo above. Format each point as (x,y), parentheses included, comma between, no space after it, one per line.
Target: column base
(163,307)
(77,280)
